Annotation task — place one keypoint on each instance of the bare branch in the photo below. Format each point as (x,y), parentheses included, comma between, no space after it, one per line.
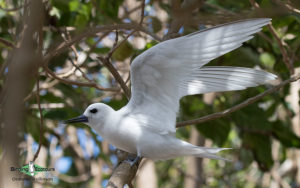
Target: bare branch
(47,86)
(83,74)
(40,49)
(285,55)
(15,8)
(239,106)
(286,59)
(182,14)
(41,117)
(17,82)
(92,48)
(106,62)
(143,12)
(123,174)
(76,57)
(91,32)
(115,45)
(287,6)
(72,82)
(7,43)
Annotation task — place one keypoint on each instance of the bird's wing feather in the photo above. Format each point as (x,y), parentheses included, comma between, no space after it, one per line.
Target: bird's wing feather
(214,79)
(163,74)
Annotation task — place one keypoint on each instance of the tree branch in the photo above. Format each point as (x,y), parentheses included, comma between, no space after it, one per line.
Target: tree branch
(7,43)
(15,8)
(41,117)
(239,106)
(111,68)
(287,61)
(72,82)
(182,13)
(287,6)
(22,67)
(123,174)
(106,62)
(143,12)
(91,32)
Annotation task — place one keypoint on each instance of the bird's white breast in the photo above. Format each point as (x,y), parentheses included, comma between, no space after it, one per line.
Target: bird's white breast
(123,132)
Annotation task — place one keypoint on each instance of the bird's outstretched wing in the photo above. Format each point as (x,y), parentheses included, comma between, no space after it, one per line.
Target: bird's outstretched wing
(174,68)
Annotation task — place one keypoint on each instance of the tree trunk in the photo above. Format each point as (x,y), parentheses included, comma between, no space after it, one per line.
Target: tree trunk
(293,99)
(146,173)
(22,67)
(194,172)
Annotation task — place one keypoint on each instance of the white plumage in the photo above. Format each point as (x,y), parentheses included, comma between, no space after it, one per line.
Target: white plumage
(161,76)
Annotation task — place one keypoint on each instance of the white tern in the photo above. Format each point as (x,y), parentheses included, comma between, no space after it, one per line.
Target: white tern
(164,74)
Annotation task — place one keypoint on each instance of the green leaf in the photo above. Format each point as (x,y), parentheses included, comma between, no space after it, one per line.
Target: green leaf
(244,57)
(49,97)
(110,8)
(156,24)
(255,133)
(124,51)
(81,21)
(56,114)
(260,145)
(285,135)
(267,59)
(74,5)
(216,130)
(252,118)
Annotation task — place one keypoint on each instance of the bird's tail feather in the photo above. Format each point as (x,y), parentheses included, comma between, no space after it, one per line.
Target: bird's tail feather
(209,153)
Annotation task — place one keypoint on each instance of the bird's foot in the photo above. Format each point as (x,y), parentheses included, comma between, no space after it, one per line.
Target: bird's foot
(132,161)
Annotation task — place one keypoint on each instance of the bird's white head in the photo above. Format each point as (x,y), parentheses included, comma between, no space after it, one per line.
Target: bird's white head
(95,115)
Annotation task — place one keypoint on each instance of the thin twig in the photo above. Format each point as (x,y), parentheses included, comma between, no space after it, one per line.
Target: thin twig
(121,43)
(90,82)
(64,35)
(123,173)
(7,43)
(285,55)
(15,8)
(72,82)
(48,85)
(182,13)
(239,106)
(288,6)
(287,61)
(41,117)
(92,48)
(106,62)
(143,12)
(128,12)
(83,73)
(115,45)
(91,32)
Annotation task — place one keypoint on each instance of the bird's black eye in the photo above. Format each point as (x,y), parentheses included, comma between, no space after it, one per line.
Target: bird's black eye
(94,110)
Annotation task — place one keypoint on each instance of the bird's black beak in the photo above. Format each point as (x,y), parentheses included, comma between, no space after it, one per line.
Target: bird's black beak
(79,119)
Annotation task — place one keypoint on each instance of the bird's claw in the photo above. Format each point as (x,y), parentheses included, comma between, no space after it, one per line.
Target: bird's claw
(134,161)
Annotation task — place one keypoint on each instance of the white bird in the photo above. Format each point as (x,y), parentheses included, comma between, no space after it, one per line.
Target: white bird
(161,76)
(31,168)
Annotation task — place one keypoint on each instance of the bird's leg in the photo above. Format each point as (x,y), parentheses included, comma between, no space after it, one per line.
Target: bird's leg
(133,161)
